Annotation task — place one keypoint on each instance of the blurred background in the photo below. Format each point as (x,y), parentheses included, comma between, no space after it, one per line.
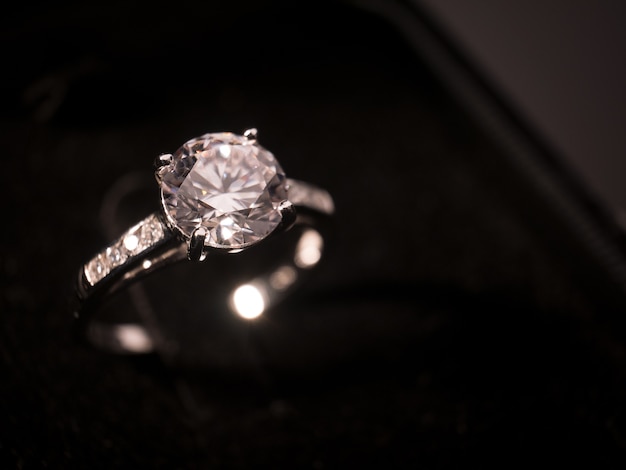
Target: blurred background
(469,309)
(559,64)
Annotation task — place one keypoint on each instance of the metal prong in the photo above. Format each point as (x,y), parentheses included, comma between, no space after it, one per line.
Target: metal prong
(162,160)
(288,213)
(250,134)
(160,165)
(196,250)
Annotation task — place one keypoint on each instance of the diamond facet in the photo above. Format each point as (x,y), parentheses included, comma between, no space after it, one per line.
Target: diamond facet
(227,183)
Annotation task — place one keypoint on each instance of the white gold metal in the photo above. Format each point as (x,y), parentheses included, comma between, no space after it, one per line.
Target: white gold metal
(196,250)
(251,134)
(163,160)
(288,214)
(156,241)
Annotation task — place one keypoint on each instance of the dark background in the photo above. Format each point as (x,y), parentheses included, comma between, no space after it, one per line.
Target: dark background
(456,320)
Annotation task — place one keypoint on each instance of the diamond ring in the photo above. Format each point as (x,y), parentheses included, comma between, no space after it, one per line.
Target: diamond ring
(220,193)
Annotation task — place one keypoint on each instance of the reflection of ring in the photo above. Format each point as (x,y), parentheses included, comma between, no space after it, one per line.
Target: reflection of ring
(219,193)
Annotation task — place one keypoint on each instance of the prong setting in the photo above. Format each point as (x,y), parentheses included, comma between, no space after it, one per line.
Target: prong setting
(251,134)
(162,160)
(161,163)
(197,250)
(288,214)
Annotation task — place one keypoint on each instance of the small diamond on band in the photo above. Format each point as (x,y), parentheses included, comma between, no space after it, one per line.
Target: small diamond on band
(146,234)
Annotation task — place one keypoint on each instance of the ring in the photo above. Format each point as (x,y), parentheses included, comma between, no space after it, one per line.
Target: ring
(220,193)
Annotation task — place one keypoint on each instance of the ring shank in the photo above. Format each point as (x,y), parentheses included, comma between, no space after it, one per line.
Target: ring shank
(152,244)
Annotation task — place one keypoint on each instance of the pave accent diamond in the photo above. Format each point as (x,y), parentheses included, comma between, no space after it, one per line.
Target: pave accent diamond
(145,235)
(226,183)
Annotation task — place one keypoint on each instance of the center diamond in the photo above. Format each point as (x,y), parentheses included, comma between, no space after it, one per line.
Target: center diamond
(226,183)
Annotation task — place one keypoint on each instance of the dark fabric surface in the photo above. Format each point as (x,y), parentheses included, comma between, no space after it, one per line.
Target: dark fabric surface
(448,325)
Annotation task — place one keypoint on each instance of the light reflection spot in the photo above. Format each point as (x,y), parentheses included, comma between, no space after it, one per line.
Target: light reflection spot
(131,242)
(248,302)
(225,151)
(133,338)
(224,229)
(309,249)
(283,277)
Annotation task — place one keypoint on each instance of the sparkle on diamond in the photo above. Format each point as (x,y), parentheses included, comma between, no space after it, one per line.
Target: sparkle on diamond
(226,183)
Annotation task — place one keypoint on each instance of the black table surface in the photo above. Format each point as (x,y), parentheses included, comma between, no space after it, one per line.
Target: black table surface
(445,326)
